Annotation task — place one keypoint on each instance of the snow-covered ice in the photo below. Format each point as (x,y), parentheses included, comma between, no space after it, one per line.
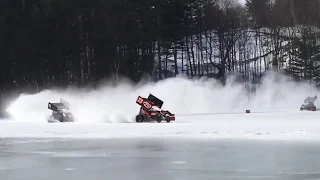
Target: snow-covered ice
(157,159)
(267,126)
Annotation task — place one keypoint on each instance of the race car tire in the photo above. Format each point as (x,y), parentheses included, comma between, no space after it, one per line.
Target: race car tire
(159,119)
(168,119)
(139,118)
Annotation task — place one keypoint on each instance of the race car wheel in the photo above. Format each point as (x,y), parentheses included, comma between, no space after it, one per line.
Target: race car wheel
(139,118)
(168,119)
(159,119)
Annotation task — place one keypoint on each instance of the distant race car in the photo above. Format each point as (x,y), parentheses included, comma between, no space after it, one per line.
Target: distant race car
(60,112)
(309,104)
(151,110)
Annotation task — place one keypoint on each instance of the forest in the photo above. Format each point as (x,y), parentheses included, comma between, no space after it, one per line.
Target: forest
(61,43)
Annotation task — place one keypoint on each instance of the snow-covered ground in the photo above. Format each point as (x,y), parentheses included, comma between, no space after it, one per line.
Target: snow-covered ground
(108,112)
(267,126)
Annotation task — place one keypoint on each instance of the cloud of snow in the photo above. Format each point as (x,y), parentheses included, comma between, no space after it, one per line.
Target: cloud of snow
(114,104)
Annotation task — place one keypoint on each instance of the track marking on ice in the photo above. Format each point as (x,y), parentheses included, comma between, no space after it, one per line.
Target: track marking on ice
(179,162)
(70,169)
(3,168)
(258,177)
(300,173)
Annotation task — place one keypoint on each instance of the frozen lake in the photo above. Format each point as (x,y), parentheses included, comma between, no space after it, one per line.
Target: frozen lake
(157,159)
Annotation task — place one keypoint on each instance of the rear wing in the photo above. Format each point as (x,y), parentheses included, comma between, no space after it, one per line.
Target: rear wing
(65,103)
(157,102)
(310,99)
(58,106)
(149,102)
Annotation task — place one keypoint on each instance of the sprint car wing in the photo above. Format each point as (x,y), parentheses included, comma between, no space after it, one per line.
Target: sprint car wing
(156,102)
(58,106)
(150,102)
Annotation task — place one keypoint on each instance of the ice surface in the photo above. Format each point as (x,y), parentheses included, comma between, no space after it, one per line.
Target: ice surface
(157,159)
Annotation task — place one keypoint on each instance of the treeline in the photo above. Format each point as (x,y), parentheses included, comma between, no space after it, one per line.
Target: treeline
(56,43)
